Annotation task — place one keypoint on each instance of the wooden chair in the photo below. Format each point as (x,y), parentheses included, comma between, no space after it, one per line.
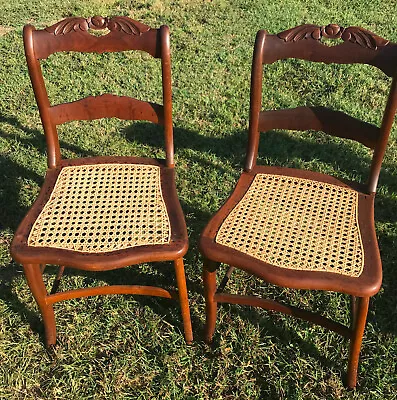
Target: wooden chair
(302,229)
(102,213)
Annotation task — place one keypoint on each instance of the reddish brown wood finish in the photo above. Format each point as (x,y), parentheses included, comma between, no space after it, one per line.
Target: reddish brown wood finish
(73,34)
(358,326)
(367,284)
(107,106)
(177,248)
(209,279)
(289,310)
(304,42)
(335,123)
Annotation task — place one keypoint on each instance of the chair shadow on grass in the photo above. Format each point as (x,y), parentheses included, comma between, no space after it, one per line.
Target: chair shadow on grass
(278,148)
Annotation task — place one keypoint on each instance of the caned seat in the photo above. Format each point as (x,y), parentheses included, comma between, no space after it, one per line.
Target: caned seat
(296,228)
(298,224)
(101,208)
(102,213)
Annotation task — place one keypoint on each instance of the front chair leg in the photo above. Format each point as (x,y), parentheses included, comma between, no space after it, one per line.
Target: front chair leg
(359,320)
(183,299)
(209,279)
(35,281)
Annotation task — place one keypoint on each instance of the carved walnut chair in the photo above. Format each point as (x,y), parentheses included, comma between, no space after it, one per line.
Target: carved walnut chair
(102,213)
(296,228)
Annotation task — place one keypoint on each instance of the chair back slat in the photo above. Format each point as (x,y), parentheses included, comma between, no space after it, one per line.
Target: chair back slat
(335,123)
(107,106)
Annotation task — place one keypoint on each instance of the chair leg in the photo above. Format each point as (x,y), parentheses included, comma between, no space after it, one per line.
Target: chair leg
(209,279)
(35,281)
(183,299)
(353,310)
(360,318)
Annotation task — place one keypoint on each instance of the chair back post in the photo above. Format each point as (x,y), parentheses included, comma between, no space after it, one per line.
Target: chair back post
(40,92)
(380,148)
(255,101)
(167,94)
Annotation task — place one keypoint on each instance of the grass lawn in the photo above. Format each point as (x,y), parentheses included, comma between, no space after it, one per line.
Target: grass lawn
(132,347)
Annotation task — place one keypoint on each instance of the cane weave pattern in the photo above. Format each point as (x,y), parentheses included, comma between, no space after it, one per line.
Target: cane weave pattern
(297,224)
(103,207)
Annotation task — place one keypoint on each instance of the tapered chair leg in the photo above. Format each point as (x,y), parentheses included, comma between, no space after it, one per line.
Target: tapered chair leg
(361,311)
(35,281)
(209,279)
(183,299)
(353,311)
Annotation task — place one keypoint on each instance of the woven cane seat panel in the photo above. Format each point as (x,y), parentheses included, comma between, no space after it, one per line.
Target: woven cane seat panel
(102,208)
(298,224)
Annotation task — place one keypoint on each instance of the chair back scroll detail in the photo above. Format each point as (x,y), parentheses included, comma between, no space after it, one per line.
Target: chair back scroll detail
(74,34)
(123,24)
(353,34)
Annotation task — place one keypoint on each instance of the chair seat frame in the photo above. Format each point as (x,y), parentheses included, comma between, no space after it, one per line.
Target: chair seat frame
(113,259)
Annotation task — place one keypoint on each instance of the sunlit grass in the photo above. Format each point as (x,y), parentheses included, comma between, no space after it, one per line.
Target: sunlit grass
(132,347)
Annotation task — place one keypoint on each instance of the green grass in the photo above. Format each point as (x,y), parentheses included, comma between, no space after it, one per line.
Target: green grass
(132,347)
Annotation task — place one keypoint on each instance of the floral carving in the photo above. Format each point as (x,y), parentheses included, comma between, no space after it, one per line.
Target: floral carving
(352,34)
(74,24)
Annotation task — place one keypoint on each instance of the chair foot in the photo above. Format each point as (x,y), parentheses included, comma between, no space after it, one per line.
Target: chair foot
(360,318)
(35,281)
(183,299)
(51,352)
(209,279)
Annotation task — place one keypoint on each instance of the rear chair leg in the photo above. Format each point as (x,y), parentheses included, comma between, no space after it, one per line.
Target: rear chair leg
(183,299)
(35,281)
(57,280)
(209,278)
(359,320)
(353,311)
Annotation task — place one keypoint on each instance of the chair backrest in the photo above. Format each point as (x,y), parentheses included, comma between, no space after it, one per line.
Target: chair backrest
(304,42)
(73,34)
